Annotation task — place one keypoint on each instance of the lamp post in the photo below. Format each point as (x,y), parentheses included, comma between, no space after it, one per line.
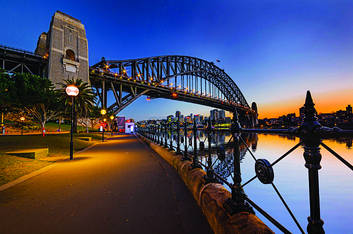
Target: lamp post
(103,112)
(72,91)
(22,119)
(111,123)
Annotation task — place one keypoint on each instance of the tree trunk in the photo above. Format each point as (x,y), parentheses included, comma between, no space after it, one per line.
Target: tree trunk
(43,127)
(60,118)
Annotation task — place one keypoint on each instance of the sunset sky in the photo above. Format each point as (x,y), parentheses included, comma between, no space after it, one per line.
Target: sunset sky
(274,50)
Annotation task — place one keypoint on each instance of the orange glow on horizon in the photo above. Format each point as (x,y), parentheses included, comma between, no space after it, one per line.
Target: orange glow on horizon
(326,102)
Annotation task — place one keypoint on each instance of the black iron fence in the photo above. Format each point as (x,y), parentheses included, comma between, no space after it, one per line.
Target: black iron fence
(176,137)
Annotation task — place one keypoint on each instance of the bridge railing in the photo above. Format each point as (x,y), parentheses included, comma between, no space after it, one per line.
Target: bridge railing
(311,134)
(18,50)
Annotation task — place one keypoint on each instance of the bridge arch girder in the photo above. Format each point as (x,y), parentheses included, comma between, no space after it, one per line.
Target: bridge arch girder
(164,68)
(195,80)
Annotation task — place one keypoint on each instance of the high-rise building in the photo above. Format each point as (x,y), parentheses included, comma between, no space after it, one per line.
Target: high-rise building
(221,114)
(214,115)
(349,110)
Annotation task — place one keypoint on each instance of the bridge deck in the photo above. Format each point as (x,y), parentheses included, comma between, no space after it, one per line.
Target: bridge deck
(119,186)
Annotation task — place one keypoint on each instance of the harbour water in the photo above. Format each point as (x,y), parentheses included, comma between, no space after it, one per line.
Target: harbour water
(291,179)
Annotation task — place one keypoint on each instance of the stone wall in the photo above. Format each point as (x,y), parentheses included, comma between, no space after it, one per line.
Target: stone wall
(65,33)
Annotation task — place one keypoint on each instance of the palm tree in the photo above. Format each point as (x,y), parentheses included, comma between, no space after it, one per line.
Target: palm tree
(84,102)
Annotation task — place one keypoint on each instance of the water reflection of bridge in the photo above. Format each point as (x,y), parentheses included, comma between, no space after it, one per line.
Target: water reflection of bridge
(222,160)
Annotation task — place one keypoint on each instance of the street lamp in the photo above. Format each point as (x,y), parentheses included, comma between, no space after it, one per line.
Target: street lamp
(22,119)
(111,123)
(103,112)
(72,91)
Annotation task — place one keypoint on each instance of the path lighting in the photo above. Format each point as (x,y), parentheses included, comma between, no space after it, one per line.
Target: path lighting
(72,91)
(103,112)
(22,120)
(111,127)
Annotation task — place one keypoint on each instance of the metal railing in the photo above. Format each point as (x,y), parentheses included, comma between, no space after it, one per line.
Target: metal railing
(310,133)
(19,50)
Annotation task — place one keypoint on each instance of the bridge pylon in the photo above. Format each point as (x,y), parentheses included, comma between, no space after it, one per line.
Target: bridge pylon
(65,46)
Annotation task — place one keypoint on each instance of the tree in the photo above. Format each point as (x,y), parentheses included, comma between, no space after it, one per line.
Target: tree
(7,93)
(36,95)
(84,102)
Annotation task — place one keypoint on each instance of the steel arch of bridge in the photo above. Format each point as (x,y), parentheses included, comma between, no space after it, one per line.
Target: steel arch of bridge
(183,78)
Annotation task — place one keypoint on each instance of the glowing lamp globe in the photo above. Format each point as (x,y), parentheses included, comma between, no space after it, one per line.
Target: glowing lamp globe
(72,90)
(103,112)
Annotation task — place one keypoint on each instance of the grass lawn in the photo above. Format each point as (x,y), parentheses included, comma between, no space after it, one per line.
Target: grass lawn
(52,127)
(12,167)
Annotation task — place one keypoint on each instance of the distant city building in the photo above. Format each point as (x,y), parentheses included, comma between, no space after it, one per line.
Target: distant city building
(349,110)
(170,118)
(214,115)
(341,118)
(221,114)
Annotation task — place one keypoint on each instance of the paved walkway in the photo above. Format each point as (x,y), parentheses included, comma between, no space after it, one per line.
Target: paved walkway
(119,186)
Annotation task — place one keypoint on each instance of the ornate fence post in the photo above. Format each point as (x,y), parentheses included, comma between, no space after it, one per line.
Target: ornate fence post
(178,136)
(165,135)
(157,134)
(210,178)
(237,203)
(160,134)
(311,141)
(195,161)
(185,157)
(171,137)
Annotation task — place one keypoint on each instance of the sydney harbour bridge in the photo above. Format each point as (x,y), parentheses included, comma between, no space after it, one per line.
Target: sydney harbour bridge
(63,53)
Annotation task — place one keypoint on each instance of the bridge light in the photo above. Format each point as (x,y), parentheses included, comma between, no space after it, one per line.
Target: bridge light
(115,74)
(138,75)
(174,95)
(124,71)
(151,78)
(106,66)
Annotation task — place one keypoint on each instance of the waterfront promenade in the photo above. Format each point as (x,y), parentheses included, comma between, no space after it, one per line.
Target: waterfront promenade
(119,186)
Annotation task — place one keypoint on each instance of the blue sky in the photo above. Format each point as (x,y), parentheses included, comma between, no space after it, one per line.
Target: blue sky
(273,50)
